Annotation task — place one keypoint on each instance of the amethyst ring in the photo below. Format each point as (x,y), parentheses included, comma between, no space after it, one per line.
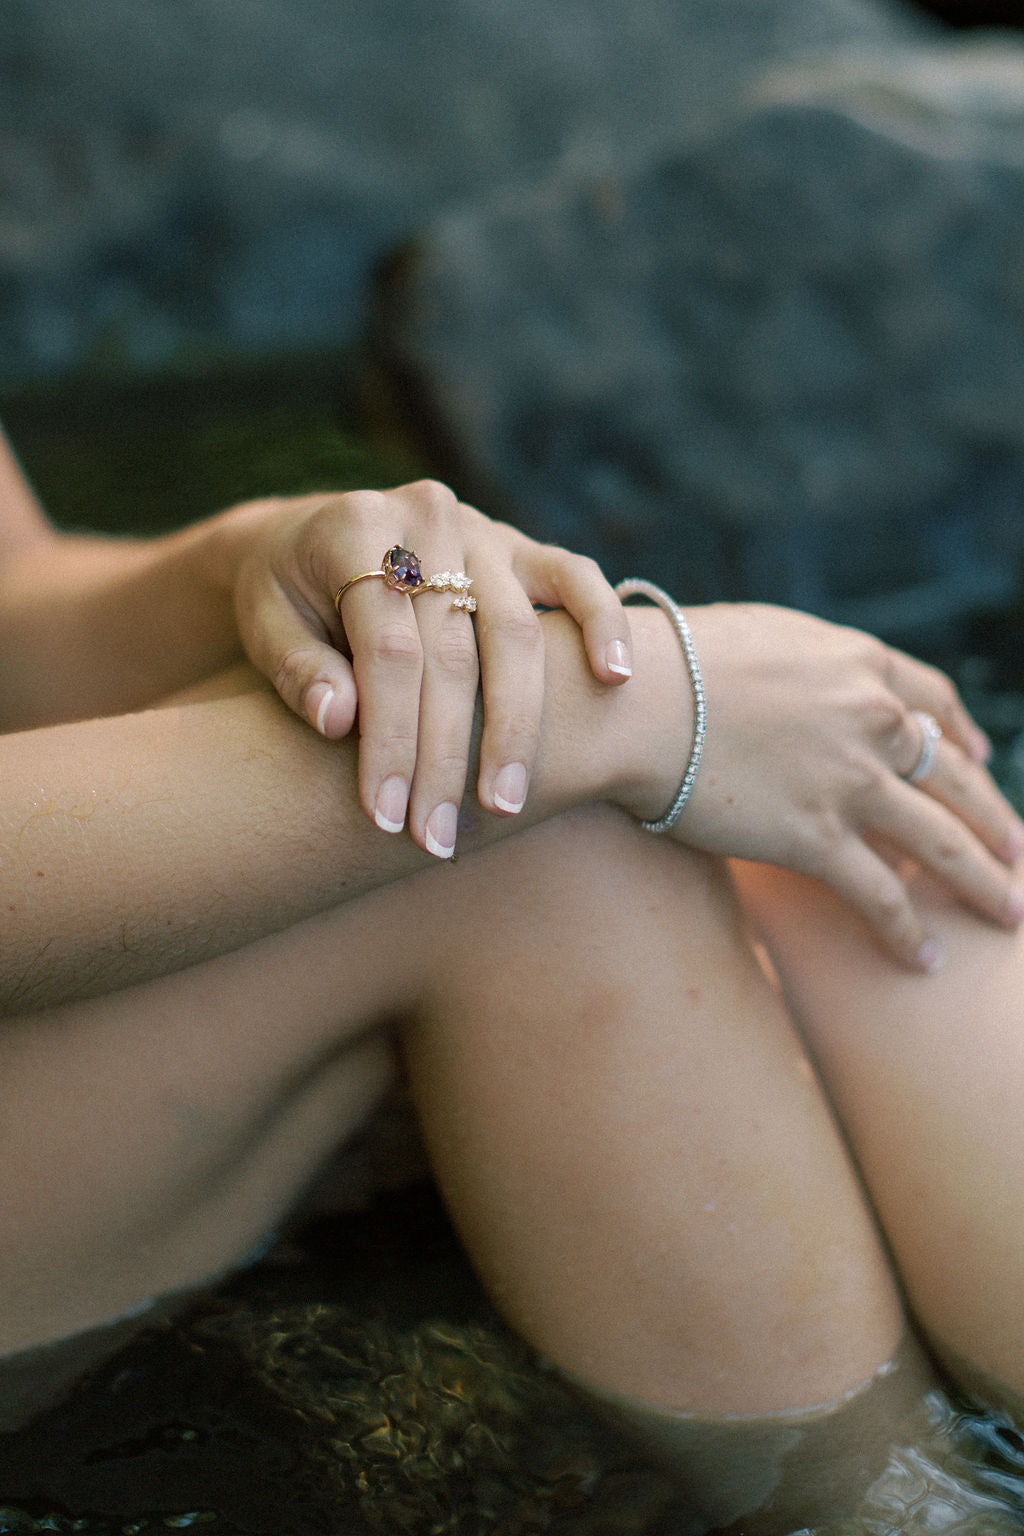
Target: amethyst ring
(401,571)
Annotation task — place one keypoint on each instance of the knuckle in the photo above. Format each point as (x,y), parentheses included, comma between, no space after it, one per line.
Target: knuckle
(450,765)
(352,509)
(880,658)
(890,905)
(293,670)
(354,517)
(455,653)
(435,500)
(824,831)
(396,746)
(514,728)
(883,715)
(871,781)
(517,627)
(558,553)
(588,568)
(397,645)
(960,777)
(946,696)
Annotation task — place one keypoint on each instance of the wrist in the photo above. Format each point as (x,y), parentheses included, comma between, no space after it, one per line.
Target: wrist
(634,587)
(658,746)
(216,548)
(627,745)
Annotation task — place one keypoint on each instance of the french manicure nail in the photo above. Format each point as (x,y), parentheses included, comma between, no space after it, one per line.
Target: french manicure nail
(617,659)
(510,788)
(326,694)
(392,799)
(441,829)
(930,957)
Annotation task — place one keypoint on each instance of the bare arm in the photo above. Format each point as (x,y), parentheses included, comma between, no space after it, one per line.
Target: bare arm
(23,521)
(94,625)
(812,728)
(133,846)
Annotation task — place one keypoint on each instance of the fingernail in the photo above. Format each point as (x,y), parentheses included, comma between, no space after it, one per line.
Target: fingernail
(1015,843)
(1015,904)
(392,799)
(510,788)
(930,957)
(617,659)
(440,832)
(318,710)
(981,748)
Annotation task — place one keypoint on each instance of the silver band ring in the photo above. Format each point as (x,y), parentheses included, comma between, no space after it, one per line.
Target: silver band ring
(931,735)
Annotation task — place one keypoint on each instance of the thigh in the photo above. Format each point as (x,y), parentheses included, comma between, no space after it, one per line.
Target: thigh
(151,1138)
(927,1076)
(627,1127)
(630,1135)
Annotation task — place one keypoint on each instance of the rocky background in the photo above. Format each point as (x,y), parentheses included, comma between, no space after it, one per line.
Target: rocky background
(727,291)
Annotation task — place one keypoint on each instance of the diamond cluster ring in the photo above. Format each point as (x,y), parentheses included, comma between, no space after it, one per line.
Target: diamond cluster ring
(451,581)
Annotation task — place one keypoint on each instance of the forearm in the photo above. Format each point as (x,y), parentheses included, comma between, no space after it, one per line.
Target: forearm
(134,846)
(94,626)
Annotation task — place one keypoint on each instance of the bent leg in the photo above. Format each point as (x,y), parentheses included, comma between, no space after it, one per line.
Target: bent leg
(150,1139)
(642,1165)
(927,1077)
(626,1126)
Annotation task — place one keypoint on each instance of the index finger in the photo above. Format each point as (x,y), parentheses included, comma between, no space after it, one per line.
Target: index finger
(863,879)
(387,660)
(557,578)
(511,648)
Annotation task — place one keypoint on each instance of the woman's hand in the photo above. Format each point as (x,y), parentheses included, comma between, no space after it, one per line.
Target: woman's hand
(416,661)
(810,740)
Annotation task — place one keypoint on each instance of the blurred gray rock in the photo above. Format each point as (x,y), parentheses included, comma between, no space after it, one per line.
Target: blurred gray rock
(783,360)
(221,176)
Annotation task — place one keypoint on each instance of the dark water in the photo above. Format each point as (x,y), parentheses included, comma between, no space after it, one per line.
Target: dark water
(357,1381)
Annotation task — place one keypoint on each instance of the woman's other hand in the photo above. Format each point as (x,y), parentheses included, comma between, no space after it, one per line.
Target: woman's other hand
(413,663)
(811,736)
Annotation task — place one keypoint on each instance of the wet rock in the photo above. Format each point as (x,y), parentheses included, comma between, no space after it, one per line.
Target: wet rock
(215,177)
(783,359)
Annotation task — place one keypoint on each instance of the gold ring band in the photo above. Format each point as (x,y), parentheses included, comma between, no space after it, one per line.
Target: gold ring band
(400,570)
(363,576)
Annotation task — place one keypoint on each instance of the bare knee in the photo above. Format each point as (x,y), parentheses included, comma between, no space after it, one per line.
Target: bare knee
(590,878)
(606,1062)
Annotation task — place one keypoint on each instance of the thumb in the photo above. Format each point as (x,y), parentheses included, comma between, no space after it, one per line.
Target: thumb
(312,677)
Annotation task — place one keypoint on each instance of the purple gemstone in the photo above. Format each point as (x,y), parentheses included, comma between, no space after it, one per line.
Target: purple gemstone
(403,568)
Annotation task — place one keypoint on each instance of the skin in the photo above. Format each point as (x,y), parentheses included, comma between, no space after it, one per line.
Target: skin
(199,978)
